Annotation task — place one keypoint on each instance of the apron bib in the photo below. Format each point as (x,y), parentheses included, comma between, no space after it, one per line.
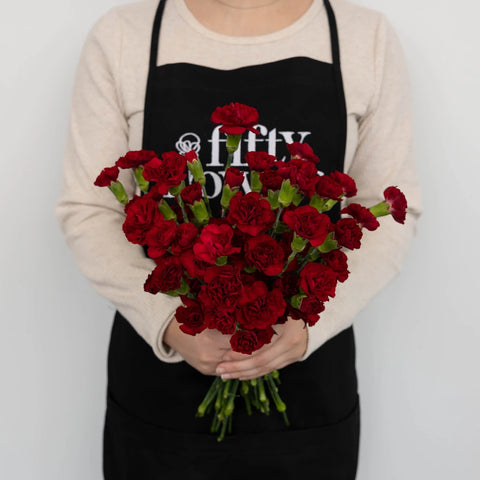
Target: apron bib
(150,427)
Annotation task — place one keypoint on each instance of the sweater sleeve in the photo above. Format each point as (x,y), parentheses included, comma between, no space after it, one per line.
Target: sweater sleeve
(89,216)
(384,157)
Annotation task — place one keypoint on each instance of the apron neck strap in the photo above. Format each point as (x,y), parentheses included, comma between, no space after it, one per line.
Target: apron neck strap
(331,21)
(333,35)
(155,34)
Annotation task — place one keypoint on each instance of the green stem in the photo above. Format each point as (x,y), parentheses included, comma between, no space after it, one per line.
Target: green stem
(289,261)
(277,219)
(229,161)
(212,391)
(182,206)
(207,201)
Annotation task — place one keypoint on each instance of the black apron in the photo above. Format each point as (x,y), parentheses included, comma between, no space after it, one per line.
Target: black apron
(150,427)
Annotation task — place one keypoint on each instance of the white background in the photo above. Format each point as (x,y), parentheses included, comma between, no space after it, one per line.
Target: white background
(417,343)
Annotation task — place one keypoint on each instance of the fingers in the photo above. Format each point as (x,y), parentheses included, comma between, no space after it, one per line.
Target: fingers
(288,347)
(267,359)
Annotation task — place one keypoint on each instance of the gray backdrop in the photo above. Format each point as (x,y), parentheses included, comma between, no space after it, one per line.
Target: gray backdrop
(418,359)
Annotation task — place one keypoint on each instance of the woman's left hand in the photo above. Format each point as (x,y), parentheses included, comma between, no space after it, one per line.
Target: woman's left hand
(288,346)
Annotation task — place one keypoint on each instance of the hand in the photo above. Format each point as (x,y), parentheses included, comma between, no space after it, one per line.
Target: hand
(202,351)
(285,348)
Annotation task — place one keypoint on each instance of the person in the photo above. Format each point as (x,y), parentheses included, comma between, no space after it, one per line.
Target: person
(326,72)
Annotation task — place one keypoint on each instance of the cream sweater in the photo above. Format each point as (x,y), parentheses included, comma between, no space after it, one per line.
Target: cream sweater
(107,120)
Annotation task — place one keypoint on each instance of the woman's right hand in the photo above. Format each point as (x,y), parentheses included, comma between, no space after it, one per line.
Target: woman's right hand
(203,351)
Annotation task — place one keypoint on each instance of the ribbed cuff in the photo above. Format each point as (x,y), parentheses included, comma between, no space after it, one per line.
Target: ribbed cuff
(161,350)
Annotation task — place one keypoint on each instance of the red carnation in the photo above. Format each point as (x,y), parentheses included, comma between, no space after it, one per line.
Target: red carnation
(185,235)
(235,118)
(142,214)
(347,233)
(222,318)
(190,316)
(248,341)
(250,213)
(260,161)
(224,286)
(214,242)
(159,237)
(301,173)
(166,276)
(195,267)
(135,158)
(191,156)
(302,151)
(346,182)
(328,188)
(271,180)
(362,216)
(318,280)
(260,308)
(311,307)
(337,261)
(234,177)
(107,176)
(288,284)
(308,223)
(168,172)
(266,254)
(397,203)
(192,193)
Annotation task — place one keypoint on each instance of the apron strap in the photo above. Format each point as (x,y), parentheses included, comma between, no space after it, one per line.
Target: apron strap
(155,34)
(333,35)
(342,138)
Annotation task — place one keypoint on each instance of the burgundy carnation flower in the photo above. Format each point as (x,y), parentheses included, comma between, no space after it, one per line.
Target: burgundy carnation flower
(160,237)
(192,193)
(337,261)
(248,341)
(166,276)
(235,118)
(195,267)
(259,307)
(318,280)
(142,214)
(346,182)
(266,254)
(302,151)
(311,307)
(191,156)
(250,213)
(260,161)
(223,287)
(215,241)
(107,176)
(362,215)
(234,177)
(222,318)
(135,158)
(185,235)
(308,223)
(328,188)
(168,172)
(190,316)
(288,284)
(301,173)
(347,233)
(397,203)
(271,180)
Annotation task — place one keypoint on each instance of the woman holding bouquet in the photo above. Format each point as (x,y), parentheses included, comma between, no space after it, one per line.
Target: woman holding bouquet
(324,72)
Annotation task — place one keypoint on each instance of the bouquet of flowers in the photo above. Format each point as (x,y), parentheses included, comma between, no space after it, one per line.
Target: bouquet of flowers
(271,254)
